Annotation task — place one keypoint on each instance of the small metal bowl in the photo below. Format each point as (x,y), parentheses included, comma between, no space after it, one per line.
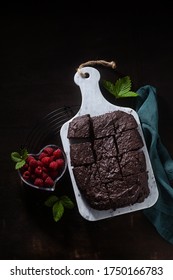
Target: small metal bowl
(45,188)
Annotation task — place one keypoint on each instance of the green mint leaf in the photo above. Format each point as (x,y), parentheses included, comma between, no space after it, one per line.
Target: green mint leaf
(58,211)
(67,202)
(110,87)
(19,158)
(20,164)
(16,157)
(121,88)
(128,94)
(123,85)
(24,154)
(51,201)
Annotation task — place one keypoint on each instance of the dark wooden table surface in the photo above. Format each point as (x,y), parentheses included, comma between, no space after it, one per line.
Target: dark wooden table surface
(40,50)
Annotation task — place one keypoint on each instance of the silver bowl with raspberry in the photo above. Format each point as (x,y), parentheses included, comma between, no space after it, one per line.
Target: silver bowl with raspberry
(43,170)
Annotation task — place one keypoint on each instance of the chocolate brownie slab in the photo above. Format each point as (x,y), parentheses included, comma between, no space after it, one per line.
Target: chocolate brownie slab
(109,167)
(102,125)
(129,140)
(105,147)
(79,127)
(132,162)
(81,154)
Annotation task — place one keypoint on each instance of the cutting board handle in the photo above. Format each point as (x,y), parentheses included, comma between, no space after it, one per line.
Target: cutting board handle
(92,99)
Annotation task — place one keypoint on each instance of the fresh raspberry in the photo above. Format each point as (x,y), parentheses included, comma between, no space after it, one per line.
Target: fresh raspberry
(45,169)
(49,182)
(38,170)
(57,153)
(39,162)
(52,158)
(25,167)
(39,182)
(33,163)
(26,175)
(46,160)
(44,175)
(29,158)
(60,162)
(30,169)
(48,151)
(53,165)
(42,155)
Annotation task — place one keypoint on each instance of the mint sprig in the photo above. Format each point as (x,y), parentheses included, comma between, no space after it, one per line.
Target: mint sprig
(121,88)
(58,205)
(19,158)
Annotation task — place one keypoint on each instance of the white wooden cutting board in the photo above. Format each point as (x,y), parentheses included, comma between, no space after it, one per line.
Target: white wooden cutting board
(94,103)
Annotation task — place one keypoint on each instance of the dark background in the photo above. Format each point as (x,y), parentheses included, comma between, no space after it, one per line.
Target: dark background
(41,46)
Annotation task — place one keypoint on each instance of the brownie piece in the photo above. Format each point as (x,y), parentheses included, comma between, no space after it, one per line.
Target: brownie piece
(79,127)
(144,188)
(132,162)
(86,176)
(81,154)
(123,121)
(131,190)
(109,170)
(98,198)
(129,140)
(138,187)
(105,148)
(88,182)
(82,176)
(102,125)
(118,194)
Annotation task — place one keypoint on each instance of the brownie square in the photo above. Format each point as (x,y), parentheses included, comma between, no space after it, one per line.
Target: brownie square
(118,194)
(129,140)
(81,154)
(132,162)
(82,176)
(109,170)
(131,190)
(105,148)
(137,187)
(144,188)
(123,121)
(102,125)
(86,176)
(97,197)
(79,127)
(88,181)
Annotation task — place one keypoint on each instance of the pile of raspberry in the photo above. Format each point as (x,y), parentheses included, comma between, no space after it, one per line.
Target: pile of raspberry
(42,170)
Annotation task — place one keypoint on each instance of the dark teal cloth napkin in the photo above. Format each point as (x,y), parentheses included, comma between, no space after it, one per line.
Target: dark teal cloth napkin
(161,213)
